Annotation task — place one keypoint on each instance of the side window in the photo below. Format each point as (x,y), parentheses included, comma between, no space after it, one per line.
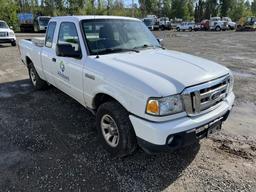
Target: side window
(68,36)
(50,34)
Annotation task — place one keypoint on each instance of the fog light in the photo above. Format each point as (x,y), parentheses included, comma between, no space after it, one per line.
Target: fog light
(170,140)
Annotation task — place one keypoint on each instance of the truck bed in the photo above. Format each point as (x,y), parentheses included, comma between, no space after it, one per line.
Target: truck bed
(30,50)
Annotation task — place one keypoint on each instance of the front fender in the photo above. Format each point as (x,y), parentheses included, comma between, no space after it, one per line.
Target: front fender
(115,92)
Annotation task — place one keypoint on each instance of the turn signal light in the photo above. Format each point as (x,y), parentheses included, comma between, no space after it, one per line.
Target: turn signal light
(153,107)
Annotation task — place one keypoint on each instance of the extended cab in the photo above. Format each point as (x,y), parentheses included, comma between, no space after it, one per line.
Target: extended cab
(141,93)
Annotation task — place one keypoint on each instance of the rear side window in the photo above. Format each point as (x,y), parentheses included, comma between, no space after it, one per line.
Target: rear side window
(68,35)
(50,34)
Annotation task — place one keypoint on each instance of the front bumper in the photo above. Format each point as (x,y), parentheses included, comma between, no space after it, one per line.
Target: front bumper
(43,28)
(154,135)
(7,40)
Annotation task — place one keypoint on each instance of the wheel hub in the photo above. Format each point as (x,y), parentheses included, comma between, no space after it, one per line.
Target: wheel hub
(110,130)
(33,76)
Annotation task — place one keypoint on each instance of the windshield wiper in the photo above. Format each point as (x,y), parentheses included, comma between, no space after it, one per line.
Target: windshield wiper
(116,50)
(148,46)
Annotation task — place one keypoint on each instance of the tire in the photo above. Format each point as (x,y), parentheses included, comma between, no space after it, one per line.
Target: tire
(190,29)
(178,29)
(35,29)
(13,43)
(120,128)
(217,28)
(37,82)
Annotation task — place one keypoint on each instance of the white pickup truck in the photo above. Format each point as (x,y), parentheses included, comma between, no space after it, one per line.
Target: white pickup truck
(7,34)
(141,93)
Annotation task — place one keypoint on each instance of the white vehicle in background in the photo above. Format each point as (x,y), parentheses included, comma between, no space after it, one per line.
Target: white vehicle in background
(165,23)
(186,26)
(141,93)
(231,24)
(40,23)
(217,24)
(152,23)
(7,35)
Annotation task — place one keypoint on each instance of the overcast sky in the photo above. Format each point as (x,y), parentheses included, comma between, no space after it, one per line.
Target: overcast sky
(129,2)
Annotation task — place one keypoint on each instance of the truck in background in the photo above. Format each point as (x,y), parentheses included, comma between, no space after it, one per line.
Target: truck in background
(247,24)
(165,23)
(231,24)
(152,23)
(40,23)
(32,23)
(217,24)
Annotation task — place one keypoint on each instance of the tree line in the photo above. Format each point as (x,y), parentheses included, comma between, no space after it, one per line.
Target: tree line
(235,9)
(184,9)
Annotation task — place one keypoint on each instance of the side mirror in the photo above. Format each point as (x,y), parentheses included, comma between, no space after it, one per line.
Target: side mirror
(161,41)
(67,50)
(11,27)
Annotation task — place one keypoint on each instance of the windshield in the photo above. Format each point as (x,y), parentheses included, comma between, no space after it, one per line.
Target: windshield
(104,36)
(44,21)
(3,25)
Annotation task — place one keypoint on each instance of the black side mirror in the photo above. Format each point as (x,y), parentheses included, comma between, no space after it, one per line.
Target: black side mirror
(160,41)
(67,50)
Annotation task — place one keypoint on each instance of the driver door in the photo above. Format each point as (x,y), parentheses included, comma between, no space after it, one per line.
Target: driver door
(69,70)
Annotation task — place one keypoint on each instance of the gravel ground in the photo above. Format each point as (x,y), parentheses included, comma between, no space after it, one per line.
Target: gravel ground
(48,141)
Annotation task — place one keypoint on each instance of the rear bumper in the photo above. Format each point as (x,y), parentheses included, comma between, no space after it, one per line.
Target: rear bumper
(155,135)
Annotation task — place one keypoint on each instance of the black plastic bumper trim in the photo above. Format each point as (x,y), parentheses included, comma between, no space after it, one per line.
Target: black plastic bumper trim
(180,140)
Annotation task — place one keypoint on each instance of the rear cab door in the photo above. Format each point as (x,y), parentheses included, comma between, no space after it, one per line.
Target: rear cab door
(48,53)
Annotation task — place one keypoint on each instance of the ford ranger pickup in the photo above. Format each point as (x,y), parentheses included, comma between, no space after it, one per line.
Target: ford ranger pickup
(141,93)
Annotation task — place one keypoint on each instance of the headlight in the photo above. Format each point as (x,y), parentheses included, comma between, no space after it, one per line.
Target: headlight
(11,34)
(231,83)
(164,106)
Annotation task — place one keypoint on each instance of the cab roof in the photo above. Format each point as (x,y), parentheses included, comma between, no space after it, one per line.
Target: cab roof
(87,17)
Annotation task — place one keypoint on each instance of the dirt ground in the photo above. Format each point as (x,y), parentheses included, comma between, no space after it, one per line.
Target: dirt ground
(48,141)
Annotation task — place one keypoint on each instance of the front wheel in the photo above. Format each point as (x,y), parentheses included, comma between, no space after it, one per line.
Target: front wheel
(115,130)
(217,28)
(14,43)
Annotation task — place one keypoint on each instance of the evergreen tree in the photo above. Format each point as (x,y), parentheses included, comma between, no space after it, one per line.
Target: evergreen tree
(253,7)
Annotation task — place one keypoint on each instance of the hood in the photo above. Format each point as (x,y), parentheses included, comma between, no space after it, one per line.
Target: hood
(166,72)
(5,30)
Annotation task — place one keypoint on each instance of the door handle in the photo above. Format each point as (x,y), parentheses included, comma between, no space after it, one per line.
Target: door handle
(54,59)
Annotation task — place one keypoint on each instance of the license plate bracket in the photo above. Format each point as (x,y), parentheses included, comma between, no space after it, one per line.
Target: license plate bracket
(214,126)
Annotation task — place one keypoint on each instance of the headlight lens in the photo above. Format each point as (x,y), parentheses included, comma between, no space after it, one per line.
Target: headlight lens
(164,106)
(11,34)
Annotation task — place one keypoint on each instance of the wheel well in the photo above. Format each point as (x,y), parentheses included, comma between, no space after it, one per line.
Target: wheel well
(28,61)
(101,98)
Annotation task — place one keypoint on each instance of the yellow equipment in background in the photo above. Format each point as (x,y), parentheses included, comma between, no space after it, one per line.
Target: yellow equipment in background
(247,24)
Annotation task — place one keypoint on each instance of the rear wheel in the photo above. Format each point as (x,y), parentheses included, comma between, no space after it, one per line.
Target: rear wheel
(115,130)
(36,81)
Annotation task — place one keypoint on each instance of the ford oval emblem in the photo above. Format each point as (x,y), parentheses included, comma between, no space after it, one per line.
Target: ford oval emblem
(215,95)
(62,66)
